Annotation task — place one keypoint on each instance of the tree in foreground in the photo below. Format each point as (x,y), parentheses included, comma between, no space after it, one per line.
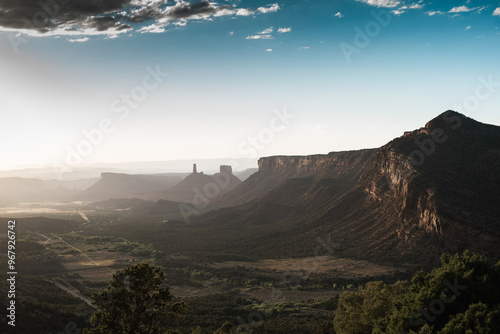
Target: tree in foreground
(136,301)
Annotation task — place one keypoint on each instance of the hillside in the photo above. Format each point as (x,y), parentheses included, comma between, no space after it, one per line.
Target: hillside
(16,190)
(199,188)
(116,185)
(382,203)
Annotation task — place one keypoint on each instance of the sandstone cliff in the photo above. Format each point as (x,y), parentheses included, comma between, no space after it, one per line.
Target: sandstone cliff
(431,190)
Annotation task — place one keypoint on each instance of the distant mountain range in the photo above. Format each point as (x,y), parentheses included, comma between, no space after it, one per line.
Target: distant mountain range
(93,171)
(15,190)
(111,186)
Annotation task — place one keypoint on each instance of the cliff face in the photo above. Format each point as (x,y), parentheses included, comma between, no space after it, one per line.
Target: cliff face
(396,184)
(276,170)
(433,189)
(331,164)
(441,179)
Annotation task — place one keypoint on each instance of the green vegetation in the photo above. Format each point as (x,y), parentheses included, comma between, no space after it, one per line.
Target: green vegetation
(133,248)
(461,296)
(227,288)
(136,301)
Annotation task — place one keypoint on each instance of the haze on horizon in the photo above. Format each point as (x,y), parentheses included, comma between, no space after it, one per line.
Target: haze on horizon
(218,79)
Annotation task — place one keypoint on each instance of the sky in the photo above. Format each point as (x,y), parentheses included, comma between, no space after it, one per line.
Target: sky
(87,81)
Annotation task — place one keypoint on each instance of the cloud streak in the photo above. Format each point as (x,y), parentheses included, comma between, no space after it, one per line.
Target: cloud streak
(382,3)
(110,17)
(399,7)
(461,9)
(456,11)
(267,33)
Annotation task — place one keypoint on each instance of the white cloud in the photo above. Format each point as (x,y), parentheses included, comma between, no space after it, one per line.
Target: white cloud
(243,12)
(271,9)
(153,29)
(432,12)
(405,8)
(267,31)
(382,3)
(456,11)
(304,48)
(269,50)
(412,6)
(339,15)
(180,23)
(496,12)
(231,33)
(461,9)
(467,28)
(260,37)
(78,40)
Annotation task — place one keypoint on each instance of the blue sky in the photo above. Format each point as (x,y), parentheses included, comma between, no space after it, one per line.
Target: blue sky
(348,80)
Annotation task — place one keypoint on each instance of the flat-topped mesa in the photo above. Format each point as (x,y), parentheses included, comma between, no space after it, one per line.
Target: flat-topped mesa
(226,169)
(319,164)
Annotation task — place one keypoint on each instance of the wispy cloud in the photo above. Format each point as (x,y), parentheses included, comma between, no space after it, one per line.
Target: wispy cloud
(382,3)
(400,7)
(416,6)
(270,9)
(496,12)
(267,31)
(78,40)
(260,37)
(398,11)
(461,9)
(405,8)
(153,28)
(456,10)
(264,34)
(339,15)
(434,12)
